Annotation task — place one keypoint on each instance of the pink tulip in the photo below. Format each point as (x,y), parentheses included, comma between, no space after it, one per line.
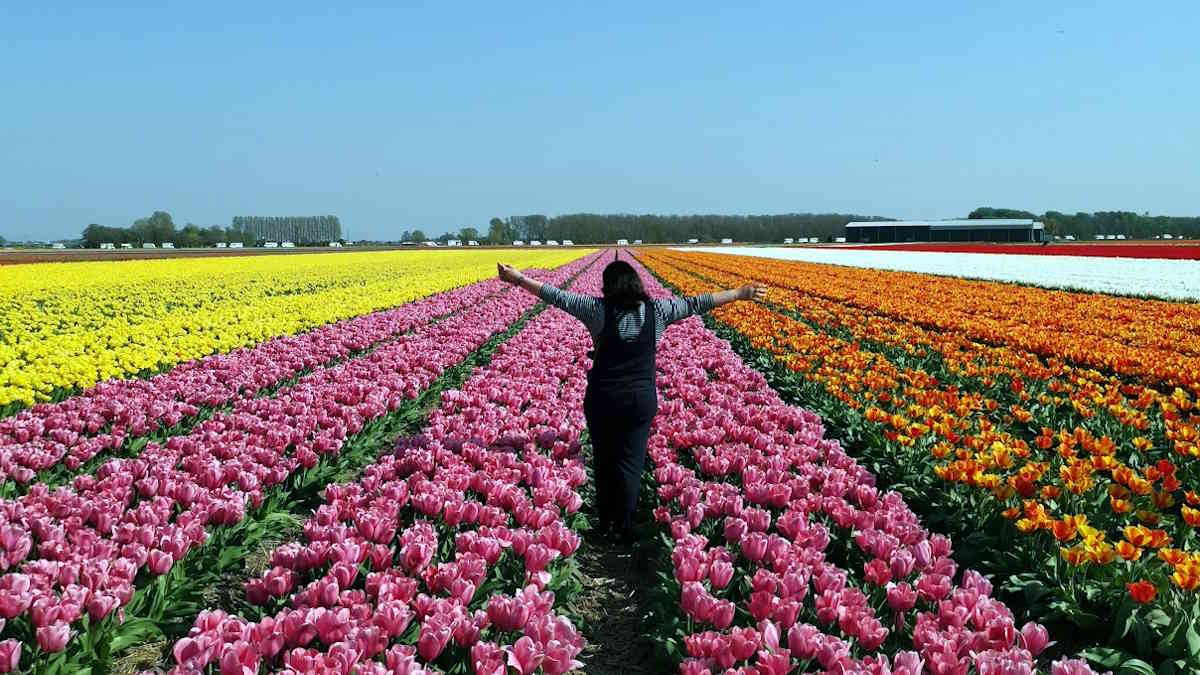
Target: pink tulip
(53,638)
(10,655)
(908,663)
(525,656)
(239,659)
(433,640)
(754,546)
(159,562)
(901,597)
(720,573)
(1071,667)
(1035,637)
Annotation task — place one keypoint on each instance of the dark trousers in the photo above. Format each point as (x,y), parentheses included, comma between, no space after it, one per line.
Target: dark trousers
(618,420)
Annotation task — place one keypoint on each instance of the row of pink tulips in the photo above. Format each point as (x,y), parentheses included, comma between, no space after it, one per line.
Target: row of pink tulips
(455,533)
(103,417)
(79,548)
(753,495)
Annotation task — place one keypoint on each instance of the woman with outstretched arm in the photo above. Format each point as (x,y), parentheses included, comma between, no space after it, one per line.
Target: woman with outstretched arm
(621,398)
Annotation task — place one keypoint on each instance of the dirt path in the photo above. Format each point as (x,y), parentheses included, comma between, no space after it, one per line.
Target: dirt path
(611,607)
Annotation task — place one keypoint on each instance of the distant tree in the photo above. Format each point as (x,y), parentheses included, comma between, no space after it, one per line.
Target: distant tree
(988,212)
(499,232)
(212,235)
(418,236)
(191,236)
(2,241)
(406,236)
(156,229)
(468,234)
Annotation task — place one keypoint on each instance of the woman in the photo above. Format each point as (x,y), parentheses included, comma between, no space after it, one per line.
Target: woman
(621,398)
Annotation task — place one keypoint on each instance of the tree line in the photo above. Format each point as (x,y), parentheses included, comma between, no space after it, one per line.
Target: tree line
(595,228)
(159,229)
(1087,225)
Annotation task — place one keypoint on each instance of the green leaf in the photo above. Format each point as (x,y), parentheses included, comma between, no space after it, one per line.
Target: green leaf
(134,631)
(1134,667)
(1193,641)
(1105,657)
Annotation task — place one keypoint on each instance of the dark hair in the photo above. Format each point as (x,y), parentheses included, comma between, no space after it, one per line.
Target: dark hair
(622,286)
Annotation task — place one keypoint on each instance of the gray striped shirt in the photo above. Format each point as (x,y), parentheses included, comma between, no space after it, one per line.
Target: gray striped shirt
(590,311)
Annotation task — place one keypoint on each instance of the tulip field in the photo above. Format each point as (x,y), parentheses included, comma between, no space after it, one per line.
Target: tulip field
(1052,435)
(378,463)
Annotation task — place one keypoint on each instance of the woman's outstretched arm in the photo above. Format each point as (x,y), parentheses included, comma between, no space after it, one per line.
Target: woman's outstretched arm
(513,276)
(587,309)
(671,310)
(747,292)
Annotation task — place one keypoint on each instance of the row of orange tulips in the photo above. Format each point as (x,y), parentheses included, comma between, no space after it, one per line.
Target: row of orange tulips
(1093,468)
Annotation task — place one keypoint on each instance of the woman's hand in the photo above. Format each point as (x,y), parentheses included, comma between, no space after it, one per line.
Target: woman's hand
(752,292)
(508,273)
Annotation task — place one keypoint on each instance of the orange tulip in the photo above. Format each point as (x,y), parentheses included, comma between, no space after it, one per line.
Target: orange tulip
(1187,576)
(1063,530)
(1172,556)
(1128,551)
(1137,535)
(1190,516)
(1075,556)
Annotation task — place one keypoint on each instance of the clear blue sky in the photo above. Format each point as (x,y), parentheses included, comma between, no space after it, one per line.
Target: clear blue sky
(438,115)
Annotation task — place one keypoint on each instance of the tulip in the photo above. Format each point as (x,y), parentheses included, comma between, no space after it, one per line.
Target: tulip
(1142,592)
(1071,667)
(901,597)
(433,640)
(239,659)
(1035,637)
(524,656)
(720,573)
(53,638)
(10,655)
(507,614)
(159,562)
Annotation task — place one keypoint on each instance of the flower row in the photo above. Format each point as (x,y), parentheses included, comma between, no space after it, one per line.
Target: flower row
(79,549)
(106,416)
(441,552)
(785,553)
(66,327)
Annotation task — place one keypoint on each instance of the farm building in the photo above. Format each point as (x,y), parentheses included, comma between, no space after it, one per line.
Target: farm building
(986,229)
